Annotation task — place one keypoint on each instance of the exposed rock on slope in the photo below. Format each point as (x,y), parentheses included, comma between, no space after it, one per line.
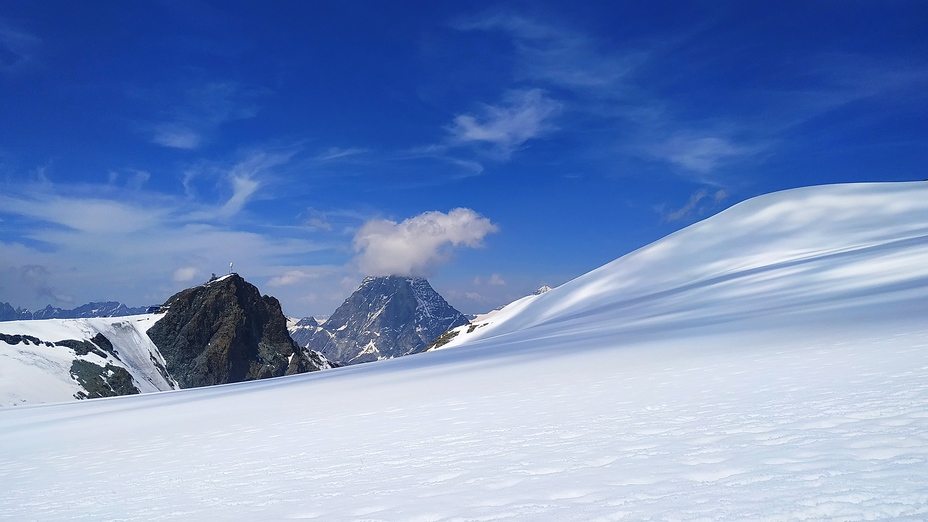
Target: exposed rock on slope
(56,360)
(386,317)
(226,331)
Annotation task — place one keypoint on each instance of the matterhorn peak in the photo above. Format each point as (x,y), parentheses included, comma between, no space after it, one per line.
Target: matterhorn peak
(386,317)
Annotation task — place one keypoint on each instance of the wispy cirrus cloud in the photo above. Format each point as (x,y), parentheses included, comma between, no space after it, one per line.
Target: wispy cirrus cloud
(494,132)
(176,136)
(133,179)
(495,279)
(235,184)
(697,204)
(18,48)
(557,56)
(522,115)
(626,85)
(595,82)
(337,153)
(197,111)
(304,274)
(137,247)
(700,154)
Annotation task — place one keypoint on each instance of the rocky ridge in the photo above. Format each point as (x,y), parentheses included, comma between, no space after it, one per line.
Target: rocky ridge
(225,331)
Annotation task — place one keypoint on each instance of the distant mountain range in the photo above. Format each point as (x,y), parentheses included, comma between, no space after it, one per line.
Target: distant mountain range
(220,332)
(96,309)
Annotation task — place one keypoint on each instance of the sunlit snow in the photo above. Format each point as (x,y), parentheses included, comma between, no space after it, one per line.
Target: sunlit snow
(769,363)
(32,374)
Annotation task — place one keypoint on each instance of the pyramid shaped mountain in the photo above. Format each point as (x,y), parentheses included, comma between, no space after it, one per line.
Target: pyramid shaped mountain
(386,317)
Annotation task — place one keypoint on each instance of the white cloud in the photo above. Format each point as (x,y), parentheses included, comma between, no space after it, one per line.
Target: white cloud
(521,116)
(474,296)
(297,276)
(85,215)
(185,274)
(136,248)
(335,153)
(242,188)
(496,280)
(244,177)
(560,57)
(134,179)
(242,180)
(692,205)
(317,220)
(700,153)
(176,136)
(197,111)
(417,245)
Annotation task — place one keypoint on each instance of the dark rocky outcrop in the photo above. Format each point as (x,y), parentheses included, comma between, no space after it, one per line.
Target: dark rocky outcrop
(226,331)
(25,339)
(386,317)
(101,381)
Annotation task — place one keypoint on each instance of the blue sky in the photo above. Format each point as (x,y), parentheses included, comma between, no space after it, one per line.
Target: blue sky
(491,146)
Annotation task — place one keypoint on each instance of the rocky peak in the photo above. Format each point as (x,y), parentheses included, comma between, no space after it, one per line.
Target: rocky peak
(386,317)
(226,331)
(302,331)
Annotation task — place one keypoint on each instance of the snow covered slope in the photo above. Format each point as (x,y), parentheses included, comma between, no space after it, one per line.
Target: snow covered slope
(36,372)
(769,363)
(824,255)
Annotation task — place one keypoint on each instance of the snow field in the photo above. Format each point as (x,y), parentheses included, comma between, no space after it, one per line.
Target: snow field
(714,429)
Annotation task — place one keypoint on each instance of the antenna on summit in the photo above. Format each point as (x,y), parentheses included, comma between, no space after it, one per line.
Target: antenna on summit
(230,267)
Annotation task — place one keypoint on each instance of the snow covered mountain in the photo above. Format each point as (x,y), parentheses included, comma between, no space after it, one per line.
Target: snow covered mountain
(385,317)
(768,363)
(57,360)
(95,309)
(302,330)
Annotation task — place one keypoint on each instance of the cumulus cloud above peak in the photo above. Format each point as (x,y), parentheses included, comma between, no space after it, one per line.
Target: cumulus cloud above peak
(418,245)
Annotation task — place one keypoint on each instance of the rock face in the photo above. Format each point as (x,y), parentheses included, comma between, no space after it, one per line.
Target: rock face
(386,317)
(226,331)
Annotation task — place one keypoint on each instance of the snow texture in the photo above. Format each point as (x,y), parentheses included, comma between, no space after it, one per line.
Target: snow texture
(769,363)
